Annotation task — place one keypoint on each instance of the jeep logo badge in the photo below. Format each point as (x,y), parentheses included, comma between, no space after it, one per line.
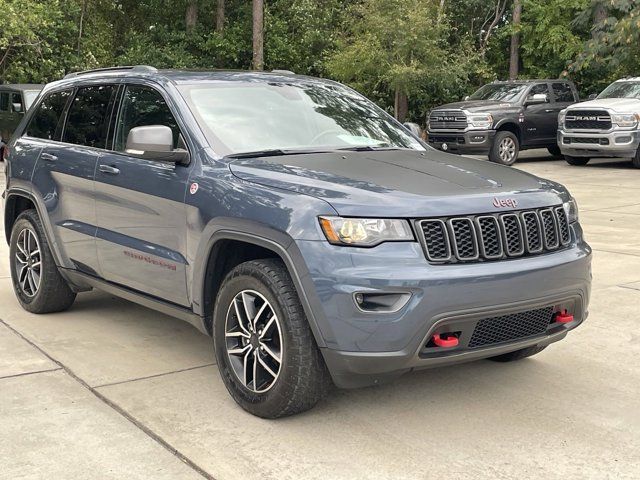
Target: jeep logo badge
(505,202)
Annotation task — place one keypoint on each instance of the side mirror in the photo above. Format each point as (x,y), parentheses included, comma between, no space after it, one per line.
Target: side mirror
(593,96)
(154,142)
(413,128)
(466,98)
(17,107)
(537,99)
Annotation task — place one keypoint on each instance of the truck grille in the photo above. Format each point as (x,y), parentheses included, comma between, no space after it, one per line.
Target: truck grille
(588,120)
(507,328)
(494,237)
(447,120)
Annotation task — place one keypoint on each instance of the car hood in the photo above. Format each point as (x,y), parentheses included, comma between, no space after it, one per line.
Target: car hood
(476,105)
(620,105)
(402,183)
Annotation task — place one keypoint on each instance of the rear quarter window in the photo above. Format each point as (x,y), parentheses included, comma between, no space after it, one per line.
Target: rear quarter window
(45,122)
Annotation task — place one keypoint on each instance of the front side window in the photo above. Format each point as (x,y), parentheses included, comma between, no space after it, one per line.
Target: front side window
(500,92)
(46,120)
(88,116)
(17,106)
(538,89)
(143,106)
(622,90)
(244,116)
(563,92)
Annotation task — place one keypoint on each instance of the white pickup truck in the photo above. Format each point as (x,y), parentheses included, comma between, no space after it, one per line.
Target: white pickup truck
(608,126)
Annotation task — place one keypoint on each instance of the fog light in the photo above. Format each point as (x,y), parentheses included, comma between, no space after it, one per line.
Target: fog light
(623,140)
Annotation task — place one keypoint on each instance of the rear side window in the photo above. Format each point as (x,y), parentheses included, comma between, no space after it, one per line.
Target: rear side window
(563,92)
(143,106)
(45,122)
(88,116)
(4,102)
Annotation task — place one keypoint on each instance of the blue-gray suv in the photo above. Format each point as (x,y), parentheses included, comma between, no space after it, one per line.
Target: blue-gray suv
(310,234)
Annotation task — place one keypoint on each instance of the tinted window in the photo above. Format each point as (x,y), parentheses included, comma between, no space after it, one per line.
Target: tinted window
(539,88)
(16,103)
(88,116)
(504,92)
(45,121)
(4,102)
(563,92)
(143,106)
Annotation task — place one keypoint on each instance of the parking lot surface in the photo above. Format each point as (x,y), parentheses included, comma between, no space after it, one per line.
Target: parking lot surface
(110,389)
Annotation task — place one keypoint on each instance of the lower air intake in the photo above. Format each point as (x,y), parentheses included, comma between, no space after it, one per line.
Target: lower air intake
(507,328)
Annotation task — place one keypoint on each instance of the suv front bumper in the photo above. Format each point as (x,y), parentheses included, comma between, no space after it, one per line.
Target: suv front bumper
(615,143)
(364,348)
(477,142)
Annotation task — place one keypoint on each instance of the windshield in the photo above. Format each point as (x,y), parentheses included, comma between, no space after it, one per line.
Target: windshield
(622,90)
(242,116)
(29,97)
(503,92)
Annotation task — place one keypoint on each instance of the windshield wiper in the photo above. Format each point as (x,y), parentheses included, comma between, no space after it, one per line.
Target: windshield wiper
(273,152)
(368,148)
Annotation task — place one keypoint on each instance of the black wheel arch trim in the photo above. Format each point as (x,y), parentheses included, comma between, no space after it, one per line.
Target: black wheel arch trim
(263,236)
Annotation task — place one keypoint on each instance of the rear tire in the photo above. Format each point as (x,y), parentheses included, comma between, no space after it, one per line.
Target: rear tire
(518,354)
(576,161)
(37,282)
(555,151)
(250,369)
(505,148)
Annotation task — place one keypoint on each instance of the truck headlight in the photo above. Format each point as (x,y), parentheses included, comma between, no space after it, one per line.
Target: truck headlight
(480,120)
(571,209)
(365,232)
(561,117)
(628,120)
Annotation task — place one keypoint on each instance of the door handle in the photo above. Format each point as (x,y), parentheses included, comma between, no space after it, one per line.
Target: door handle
(48,157)
(109,169)
(551,110)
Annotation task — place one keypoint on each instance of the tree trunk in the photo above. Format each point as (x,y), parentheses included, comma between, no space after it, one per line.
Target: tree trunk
(220,16)
(514,58)
(600,14)
(258,34)
(83,13)
(401,105)
(191,16)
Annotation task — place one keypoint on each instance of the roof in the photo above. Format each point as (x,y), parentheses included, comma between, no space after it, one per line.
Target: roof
(21,86)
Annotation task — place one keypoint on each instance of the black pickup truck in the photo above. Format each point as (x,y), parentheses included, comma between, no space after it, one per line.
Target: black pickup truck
(502,118)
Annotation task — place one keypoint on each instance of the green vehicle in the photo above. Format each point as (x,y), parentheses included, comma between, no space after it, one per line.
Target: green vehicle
(15,100)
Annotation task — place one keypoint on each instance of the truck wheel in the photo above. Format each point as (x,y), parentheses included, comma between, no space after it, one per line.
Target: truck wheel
(518,354)
(554,150)
(576,161)
(36,280)
(636,159)
(266,353)
(505,148)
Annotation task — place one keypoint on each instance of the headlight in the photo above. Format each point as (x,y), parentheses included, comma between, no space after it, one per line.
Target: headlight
(365,232)
(561,117)
(571,209)
(480,120)
(626,119)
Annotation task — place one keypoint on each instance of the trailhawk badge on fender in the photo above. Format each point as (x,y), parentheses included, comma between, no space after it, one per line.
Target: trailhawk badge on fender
(505,202)
(193,189)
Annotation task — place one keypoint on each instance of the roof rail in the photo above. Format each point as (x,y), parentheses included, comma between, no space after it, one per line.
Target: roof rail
(132,68)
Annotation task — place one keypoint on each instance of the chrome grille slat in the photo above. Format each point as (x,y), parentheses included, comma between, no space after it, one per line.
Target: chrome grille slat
(588,120)
(475,238)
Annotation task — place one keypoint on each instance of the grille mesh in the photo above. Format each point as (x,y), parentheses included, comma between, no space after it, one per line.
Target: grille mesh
(447,120)
(495,237)
(588,119)
(506,328)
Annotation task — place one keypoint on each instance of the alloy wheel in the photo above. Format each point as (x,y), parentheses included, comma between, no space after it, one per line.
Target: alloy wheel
(507,150)
(28,262)
(253,339)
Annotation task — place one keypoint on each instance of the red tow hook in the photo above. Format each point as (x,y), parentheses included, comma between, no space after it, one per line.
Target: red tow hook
(564,317)
(445,342)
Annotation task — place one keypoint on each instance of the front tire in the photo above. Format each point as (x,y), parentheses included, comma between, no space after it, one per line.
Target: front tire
(505,148)
(266,353)
(37,282)
(576,161)
(636,160)
(555,151)
(518,354)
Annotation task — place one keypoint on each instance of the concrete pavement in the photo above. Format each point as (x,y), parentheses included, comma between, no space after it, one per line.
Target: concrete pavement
(113,390)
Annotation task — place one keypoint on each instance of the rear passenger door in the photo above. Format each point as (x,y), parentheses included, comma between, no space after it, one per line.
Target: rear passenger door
(64,174)
(141,237)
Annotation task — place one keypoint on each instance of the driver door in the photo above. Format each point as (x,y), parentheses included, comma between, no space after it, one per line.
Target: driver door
(141,235)
(539,126)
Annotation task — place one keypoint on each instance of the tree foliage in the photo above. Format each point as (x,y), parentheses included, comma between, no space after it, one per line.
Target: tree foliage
(429,51)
